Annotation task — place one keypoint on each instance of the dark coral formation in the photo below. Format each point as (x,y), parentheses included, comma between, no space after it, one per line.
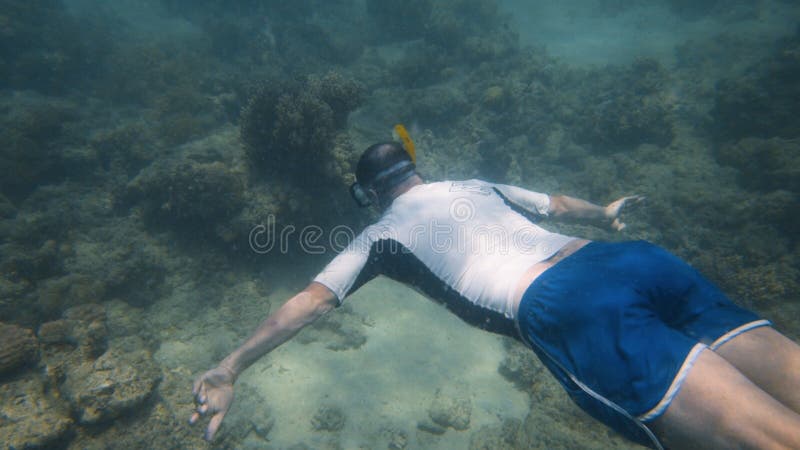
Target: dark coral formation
(42,46)
(187,191)
(33,132)
(765,102)
(764,164)
(328,418)
(289,128)
(626,107)
(453,33)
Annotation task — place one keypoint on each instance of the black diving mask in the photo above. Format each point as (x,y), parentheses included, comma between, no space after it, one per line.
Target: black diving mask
(384,180)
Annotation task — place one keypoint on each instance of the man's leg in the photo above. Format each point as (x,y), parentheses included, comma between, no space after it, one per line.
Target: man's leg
(718,407)
(770,360)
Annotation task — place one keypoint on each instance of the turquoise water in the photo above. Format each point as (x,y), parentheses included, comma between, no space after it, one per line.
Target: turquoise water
(145,146)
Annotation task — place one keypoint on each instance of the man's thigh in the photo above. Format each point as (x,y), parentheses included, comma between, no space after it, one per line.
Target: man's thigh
(770,360)
(718,407)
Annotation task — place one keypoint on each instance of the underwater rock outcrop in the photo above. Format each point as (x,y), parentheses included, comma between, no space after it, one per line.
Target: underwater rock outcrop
(451,410)
(30,417)
(114,383)
(19,347)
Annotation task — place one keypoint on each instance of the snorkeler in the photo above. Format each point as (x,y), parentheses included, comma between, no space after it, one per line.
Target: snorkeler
(638,338)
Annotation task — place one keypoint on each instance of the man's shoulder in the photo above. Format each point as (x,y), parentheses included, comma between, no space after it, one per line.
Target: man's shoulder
(473,186)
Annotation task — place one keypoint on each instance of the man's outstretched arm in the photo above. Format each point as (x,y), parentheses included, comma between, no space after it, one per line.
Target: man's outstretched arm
(565,207)
(213,390)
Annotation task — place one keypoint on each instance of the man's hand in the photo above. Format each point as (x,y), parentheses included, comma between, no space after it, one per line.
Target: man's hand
(614,209)
(213,393)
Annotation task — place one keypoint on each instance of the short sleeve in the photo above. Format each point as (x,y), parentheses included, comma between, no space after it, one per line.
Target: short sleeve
(535,202)
(345,270)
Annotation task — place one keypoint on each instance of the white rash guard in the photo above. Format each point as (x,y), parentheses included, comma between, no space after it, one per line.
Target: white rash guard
(464,243)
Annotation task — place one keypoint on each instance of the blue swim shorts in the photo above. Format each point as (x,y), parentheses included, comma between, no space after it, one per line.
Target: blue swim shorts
(620,325)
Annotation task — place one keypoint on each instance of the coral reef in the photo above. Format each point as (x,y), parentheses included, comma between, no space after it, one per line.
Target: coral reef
(33,129)
(626,107)
(201,185)
(190,191)
(384,23)
(764,164)
(44,47)
(19,348)
(290,128)
(764,103)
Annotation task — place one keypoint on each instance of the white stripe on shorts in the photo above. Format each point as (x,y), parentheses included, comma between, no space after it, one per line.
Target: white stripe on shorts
(677,382)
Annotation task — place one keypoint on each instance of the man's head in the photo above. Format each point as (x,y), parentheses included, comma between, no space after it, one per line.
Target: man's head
(381,169)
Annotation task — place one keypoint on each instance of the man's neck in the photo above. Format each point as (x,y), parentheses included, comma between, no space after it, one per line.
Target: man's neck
(402,188)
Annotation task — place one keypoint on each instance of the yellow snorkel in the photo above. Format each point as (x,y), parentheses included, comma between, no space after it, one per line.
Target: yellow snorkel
(408,144)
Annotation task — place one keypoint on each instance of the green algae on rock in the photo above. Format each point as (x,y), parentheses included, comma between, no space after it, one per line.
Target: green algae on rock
(30,416)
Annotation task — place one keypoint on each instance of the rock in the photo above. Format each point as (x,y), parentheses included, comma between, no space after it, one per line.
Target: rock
(88,328)
(19,347)
(103,389)
(451,411)
(81,326)
(328,418)
(56,294)
(430,427)
(520,366)
(29,418)
(56,332)
(398,439)
(507,436)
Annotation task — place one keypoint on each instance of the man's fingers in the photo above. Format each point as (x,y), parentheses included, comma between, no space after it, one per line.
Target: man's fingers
(193,419)
(213,425)
(633,199)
